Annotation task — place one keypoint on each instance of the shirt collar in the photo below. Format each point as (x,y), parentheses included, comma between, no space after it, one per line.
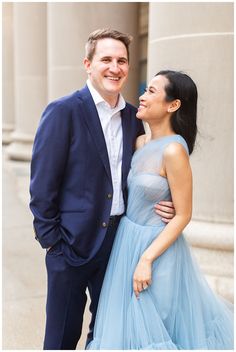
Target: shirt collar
(97,98)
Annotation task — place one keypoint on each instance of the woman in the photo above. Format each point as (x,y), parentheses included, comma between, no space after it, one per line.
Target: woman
(153,295)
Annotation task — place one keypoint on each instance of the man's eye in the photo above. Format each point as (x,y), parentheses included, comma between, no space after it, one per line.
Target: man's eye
(122,62)
(105,60)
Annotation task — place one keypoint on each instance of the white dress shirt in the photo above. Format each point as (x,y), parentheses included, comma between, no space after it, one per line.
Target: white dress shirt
(110,119)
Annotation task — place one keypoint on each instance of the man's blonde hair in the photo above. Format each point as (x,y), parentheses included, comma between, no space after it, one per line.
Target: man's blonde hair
(102,34)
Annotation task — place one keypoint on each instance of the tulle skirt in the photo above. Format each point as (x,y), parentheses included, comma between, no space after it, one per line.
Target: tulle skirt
(177,311)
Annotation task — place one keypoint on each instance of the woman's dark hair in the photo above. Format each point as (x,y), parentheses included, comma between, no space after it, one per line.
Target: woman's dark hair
(183,121)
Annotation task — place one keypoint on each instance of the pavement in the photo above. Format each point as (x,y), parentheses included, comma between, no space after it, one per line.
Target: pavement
(23,261)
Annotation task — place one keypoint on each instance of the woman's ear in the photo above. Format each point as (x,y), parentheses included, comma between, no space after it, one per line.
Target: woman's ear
(174,105)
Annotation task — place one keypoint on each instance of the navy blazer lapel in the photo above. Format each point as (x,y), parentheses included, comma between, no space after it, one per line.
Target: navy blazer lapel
(94,125)
(127,144)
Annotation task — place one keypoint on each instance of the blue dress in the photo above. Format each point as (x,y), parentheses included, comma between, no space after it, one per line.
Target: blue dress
(178,310)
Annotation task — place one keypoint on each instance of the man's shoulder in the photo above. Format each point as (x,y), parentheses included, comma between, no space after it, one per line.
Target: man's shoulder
(67,100)
(131,107)
(131,111)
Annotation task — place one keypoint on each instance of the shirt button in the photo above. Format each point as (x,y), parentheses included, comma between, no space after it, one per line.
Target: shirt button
(109,196)
(104,224)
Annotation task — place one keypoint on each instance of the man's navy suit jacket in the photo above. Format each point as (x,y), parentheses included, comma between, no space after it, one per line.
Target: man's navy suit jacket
(71,186)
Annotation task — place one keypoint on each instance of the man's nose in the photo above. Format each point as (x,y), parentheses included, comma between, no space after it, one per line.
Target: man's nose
(114,67)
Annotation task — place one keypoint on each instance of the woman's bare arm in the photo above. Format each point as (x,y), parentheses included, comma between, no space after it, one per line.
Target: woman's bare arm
(179,175)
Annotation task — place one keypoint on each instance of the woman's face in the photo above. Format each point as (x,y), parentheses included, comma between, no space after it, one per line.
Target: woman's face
(153,104)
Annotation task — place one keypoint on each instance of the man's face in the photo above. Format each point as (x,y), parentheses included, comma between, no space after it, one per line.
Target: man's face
(109,68)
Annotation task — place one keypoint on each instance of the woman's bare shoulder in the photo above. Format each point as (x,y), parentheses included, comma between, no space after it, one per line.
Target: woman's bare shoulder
(140,141)
(176,157)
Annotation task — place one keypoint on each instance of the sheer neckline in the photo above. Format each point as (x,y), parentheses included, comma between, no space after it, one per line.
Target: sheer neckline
(156,140)
(161,137)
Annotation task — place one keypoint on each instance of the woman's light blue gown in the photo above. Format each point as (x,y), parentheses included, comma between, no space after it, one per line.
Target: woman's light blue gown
(178,310)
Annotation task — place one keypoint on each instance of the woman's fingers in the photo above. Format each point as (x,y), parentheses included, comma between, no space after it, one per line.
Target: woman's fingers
(142,276)
(139,286)
(145,286)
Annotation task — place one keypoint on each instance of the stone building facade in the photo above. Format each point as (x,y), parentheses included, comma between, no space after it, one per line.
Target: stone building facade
(43,50)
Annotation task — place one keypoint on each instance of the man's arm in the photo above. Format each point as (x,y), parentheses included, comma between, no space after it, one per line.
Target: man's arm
(49,158)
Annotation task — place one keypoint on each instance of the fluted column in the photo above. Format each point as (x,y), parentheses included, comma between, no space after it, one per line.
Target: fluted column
(30,75)
(8,72)
(198,38)
(69,25)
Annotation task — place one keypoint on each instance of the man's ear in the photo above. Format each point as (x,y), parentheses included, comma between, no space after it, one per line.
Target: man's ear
(87,65)
(174,105)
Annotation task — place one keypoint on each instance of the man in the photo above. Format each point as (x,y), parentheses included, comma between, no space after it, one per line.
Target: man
(81,159)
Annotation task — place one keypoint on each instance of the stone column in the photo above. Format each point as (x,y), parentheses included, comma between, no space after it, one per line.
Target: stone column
(8,72)
(30,75)
(198,38)
(69,25)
